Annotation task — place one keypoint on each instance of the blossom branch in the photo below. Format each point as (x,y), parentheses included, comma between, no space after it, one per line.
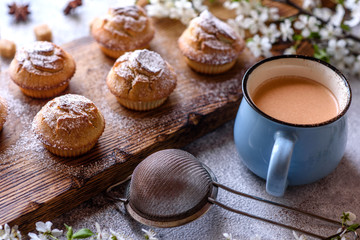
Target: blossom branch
(303,11)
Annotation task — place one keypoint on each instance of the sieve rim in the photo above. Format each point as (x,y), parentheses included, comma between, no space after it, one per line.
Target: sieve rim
(174,221)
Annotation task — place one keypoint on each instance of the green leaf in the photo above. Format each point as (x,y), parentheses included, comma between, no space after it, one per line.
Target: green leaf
(314,35)
(321,54)
(340,2)
(249,40)
(69,234)
(83,233)
(298,37)
(345,27)
(353,227)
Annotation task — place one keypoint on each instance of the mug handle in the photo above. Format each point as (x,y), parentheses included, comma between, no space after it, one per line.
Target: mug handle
(280,158)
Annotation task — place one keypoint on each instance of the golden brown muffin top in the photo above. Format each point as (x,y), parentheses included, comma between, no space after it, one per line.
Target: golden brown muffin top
(3,111)
(141,75)
(41,65)
(69,122)
(211,41)
(41,57)
(125,28)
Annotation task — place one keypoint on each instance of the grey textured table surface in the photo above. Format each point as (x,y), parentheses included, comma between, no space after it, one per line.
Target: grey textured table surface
(329,197)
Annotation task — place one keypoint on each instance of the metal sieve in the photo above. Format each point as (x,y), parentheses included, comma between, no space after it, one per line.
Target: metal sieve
(171,187)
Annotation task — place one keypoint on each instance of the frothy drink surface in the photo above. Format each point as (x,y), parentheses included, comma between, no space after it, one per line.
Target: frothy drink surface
(296,100)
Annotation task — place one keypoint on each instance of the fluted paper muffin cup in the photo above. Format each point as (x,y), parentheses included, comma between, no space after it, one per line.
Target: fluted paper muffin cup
(47,93)
(70,153)
(113,53)
(139,105)
(209,68)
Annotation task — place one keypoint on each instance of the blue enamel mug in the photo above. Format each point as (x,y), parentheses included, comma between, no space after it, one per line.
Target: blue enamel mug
(286,153)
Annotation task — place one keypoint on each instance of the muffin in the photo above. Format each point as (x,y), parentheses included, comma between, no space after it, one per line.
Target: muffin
(42,69)
(122,29)
(209,45)
(141,80)
(69,125)
(3,112)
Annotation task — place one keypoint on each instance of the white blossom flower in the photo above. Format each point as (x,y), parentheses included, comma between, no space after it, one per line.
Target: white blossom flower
(228,236)
(353,45)
(7,233)
(356,66)
(116,236)
(351,4)
(351,218)
(157,10)
(286,30)
(289,51)
(234,24)
(274,13)
(100,234)
(301,237)
(45,228)
(199,5)
(149,234)
(307,24)
(182,10)
(259,46)
(337,48)
(337,18)
(33,236)
(308,4)
(355,16)
(342,233)
(269,13)
(330,31)
(323,13)
(242,7)
(255,21)
(270,32)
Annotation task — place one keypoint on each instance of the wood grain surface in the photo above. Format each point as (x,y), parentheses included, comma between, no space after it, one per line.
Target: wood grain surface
(36,185)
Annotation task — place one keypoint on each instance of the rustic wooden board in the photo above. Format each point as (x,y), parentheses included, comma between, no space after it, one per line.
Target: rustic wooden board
(36,185)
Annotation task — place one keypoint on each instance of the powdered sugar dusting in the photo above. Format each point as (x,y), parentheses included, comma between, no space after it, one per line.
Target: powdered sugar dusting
(125,20)
(68,112)
(149,61)
(41,57)
(127,129)
(143,67)
(211,41)
(209,23)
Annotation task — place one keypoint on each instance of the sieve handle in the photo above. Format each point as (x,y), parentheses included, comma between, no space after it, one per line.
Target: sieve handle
(263,219)
(114,198)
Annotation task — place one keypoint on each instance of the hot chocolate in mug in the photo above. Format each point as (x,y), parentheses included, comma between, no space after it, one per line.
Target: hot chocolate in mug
(292,148)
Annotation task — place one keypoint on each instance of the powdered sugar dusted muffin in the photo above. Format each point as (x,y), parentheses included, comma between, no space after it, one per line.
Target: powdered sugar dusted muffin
(141,80)
(69,125)
(42,69)
(3,112)
(123,29)
(209,45)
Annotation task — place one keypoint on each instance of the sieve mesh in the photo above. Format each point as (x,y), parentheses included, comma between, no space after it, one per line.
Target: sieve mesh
(169,185)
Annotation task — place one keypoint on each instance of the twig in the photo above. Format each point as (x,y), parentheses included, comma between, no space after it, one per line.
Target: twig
(303,11)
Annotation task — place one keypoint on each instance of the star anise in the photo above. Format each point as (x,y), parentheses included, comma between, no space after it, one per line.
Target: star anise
(20,12)
(71,6)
